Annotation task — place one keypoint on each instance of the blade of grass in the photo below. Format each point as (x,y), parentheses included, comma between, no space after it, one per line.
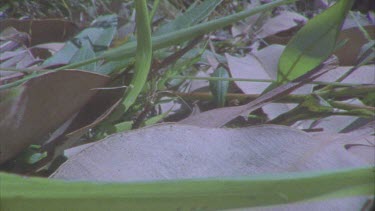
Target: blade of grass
(143,55)
(192,194)
(177,37)
(219,89)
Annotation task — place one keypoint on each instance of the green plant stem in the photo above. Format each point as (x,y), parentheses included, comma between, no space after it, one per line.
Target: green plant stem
(255,80)
(177,37)
(347,91)
(153,11)
(349,106)
(337,94)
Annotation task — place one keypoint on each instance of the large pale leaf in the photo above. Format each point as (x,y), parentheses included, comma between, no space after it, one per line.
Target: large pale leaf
(180,152)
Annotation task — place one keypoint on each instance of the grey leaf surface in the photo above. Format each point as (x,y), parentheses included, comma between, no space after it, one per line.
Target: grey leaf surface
(171,151)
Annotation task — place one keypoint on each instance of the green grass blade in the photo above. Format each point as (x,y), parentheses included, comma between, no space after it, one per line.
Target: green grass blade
(143,55)
(314,43)
(18,193)
(219,88)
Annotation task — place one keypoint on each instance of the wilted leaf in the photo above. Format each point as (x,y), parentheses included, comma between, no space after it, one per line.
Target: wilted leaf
(41,105)
(363,75)
(58,30)
(283,21)
(248,67)
(219,117)
(159,152)
(348,53)
(178,151)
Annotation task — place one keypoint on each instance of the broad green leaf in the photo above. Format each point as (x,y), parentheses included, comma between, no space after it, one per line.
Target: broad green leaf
(85,52)
(193,15)
(100,34)
(219,88)
(314,43)
(19,193)
(143,55)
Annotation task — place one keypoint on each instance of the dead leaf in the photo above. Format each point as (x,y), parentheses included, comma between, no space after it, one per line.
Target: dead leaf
(248,67)
(219,117)
(349,52)
(363,75)
(29,112)
(171,151)
(59,30)
(282,22)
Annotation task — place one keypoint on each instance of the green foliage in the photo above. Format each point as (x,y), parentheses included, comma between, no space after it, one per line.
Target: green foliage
(314,43)
(207,194)
(143,54)
(219,88)
(193,15)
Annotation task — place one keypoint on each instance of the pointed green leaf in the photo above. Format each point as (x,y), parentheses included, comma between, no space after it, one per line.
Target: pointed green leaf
(314,43)
(143,55)
(85,52)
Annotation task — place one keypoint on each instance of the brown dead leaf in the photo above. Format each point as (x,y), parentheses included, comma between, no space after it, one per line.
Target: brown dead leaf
(43,31)
(28,113)
(349,52)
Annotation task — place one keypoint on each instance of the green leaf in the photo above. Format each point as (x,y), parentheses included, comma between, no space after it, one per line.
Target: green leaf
(193,15)
(18,193)
(115,67)
(84,53)
(219,88)
(100,34)
(143,55)
(314,43)
(155,119)
(124,126)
